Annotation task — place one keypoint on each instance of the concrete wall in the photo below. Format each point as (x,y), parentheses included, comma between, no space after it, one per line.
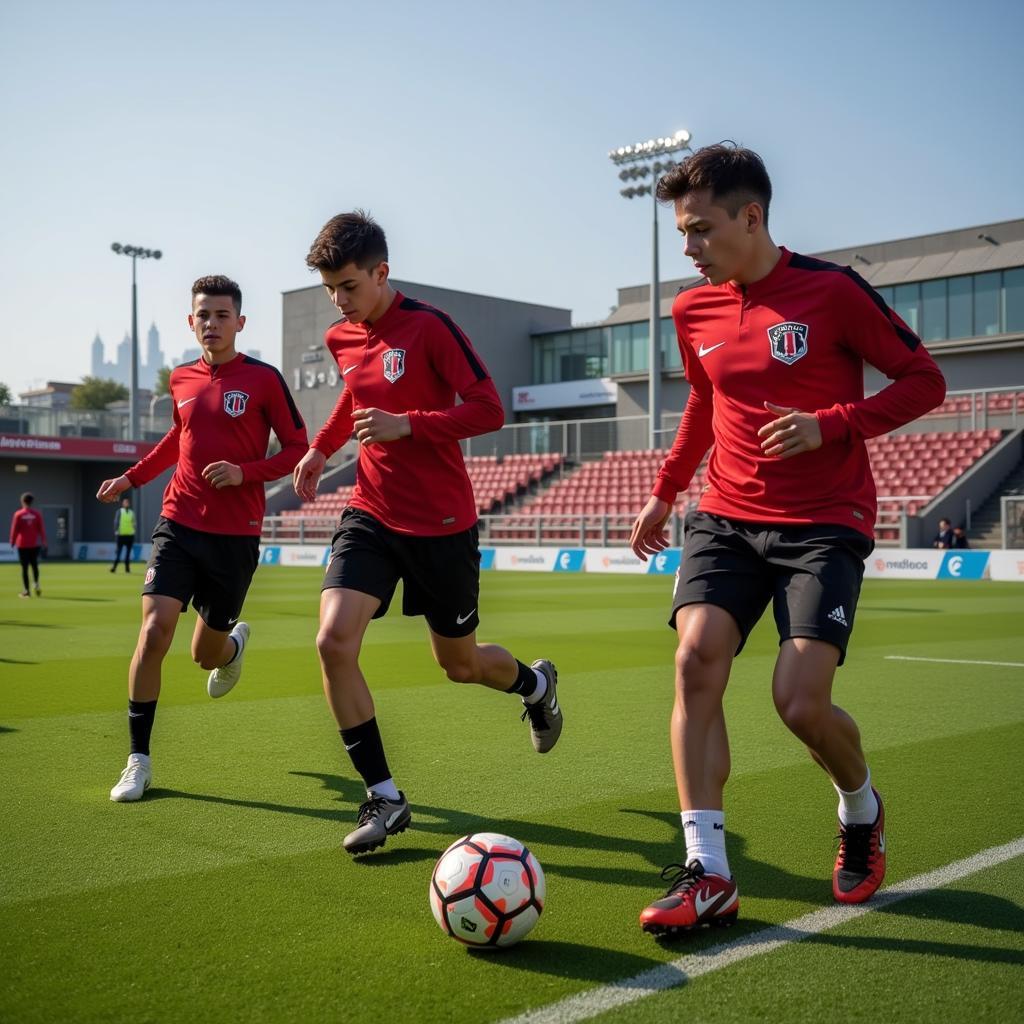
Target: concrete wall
(966,370)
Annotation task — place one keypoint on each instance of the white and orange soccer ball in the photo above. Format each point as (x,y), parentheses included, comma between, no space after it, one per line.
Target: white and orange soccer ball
(487,890)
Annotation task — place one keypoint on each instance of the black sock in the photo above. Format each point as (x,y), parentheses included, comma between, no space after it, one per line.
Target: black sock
(526,682)
(140,724)
(366,750)
(238,647)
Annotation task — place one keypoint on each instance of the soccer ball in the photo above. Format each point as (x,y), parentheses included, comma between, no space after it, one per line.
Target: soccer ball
(487,890)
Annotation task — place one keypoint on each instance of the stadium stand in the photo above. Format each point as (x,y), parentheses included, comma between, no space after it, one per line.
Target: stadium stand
(543,498)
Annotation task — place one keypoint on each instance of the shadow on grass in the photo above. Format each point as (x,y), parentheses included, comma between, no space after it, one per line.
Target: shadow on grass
(16,661)
(6,728)
(19,624)
(566,960)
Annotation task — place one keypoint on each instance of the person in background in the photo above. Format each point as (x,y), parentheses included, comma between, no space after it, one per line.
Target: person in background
(28,535)
(959,538)
(944,538)
(124,534)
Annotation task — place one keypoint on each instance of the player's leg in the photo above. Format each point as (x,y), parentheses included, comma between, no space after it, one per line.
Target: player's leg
(34,563)
(442,583)
(168,586)
(24,559)
(117,553)
(358,586)
(721,592)
(817,590)
(159,619)
(226,565)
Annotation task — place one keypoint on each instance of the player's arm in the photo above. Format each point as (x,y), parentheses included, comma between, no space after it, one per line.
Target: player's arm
(331,436)
(14,528)
(162,457)
(456,361)
(288,426)
(887,343)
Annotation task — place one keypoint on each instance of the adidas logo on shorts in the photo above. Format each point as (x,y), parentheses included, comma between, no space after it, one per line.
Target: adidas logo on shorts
(838,615)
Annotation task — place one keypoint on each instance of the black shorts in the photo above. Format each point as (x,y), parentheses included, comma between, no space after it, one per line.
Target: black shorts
(811,574)
(440,575)
(212,570)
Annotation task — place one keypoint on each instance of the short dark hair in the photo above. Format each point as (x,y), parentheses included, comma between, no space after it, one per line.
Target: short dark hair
(348,238)
(218,284)
(735,176)
(27,498)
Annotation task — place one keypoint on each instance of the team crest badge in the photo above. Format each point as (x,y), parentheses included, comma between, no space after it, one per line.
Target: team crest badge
(394,363)
(234,402)
(788,341)
(150,574)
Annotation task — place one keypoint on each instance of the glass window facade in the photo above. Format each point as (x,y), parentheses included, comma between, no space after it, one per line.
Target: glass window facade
(600,351)
(948,308)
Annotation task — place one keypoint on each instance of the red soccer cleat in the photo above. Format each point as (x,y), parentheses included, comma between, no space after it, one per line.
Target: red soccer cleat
(694,898)
(860,865)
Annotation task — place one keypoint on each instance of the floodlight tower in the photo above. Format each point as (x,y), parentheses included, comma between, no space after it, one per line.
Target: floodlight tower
(137,253)
(641,161)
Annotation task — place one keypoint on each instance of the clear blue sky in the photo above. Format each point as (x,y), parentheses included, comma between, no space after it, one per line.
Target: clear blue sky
(477,133)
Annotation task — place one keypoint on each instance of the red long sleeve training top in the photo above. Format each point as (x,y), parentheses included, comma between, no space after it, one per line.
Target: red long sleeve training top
(414,359)
(797,338)
(224,414)
(27,530)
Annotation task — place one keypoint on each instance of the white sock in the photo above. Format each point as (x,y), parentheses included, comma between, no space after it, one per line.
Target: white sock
(704,832)
(859,807)
(387,788)
(542,688)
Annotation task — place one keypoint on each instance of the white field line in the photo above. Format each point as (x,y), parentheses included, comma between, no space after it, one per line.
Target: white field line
(657,979)
(955,661)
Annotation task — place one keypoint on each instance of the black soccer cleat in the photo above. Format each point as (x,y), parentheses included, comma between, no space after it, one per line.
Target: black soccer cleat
(379,818)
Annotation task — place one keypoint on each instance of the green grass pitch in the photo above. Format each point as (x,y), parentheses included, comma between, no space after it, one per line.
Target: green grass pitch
(225,895)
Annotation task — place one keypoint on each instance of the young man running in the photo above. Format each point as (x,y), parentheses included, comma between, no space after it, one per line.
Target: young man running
(28,537)
(774,346)
(206,541)
(412,515)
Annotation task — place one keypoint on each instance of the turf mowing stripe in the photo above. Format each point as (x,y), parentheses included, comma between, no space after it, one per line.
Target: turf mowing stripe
(649,983)
(955,661)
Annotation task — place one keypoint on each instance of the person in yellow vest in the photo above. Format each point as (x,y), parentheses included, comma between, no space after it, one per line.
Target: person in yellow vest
(124,534)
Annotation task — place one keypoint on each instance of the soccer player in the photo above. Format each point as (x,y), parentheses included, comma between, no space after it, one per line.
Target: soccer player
(124,534)
(412,515)
(774,346)
(206,541)
(28,536)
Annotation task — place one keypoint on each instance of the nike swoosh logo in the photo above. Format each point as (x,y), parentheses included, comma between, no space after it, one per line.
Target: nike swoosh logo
(554,706)
(460,619)
(703,904)
(348,369)
(185,401)
(392,818)
(881,842)
(702,351)
(353,746)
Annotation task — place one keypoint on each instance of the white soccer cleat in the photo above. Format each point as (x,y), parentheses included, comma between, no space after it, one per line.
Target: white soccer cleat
(224,678)
(134,781)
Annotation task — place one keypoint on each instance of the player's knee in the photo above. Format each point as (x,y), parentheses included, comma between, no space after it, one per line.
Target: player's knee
(337,649)
(462,671)
(698,667)
(804,718)
(155,638)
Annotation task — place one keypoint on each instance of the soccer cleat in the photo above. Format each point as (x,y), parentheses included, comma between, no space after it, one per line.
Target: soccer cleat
(134,781)
(39,593)
(860,864)
(24,593)
(224,678)
(545,715)
(379,818)
(694,898)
